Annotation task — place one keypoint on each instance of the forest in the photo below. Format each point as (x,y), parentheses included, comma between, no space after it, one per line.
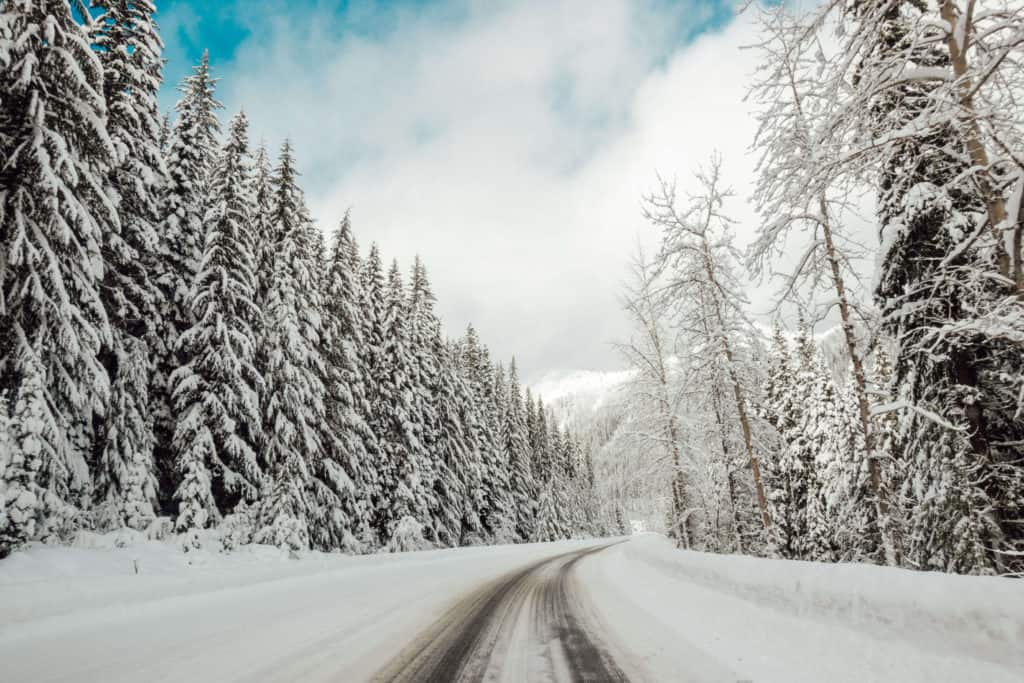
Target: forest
(183,353)
(881,418)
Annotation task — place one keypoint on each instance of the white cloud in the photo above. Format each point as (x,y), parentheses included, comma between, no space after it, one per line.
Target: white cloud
(508,144)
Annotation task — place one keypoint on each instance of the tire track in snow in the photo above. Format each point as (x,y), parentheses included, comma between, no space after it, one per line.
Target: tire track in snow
(523,626)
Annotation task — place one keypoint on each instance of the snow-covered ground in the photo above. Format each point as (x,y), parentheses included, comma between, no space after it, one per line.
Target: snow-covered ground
(680,616)
(84,614)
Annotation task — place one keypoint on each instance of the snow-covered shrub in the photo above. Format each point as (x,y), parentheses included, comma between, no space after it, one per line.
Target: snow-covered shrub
(160,528)
(190,540)
(237,528)
(408,536)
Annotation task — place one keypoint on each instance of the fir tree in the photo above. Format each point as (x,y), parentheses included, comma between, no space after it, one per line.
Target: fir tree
(371,352)
(127,44)
(262,225)
(189,160)
(495,508)
(516,443)
(352,440)
(56,206)
(32,500)
(404,487)
(125,486)
(293,451)
(216,392)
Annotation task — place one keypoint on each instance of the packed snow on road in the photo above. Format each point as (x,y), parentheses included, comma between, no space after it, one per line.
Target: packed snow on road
(119,608)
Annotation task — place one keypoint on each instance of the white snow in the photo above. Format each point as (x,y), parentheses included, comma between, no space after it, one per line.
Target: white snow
(82,613)
(587,389)
(680,615)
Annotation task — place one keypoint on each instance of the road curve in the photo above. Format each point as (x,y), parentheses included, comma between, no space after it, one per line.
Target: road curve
(525,625)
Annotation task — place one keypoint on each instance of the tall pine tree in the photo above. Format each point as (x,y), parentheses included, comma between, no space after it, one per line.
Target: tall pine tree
(129,48)
(293,407)
(217,391)
(56,205)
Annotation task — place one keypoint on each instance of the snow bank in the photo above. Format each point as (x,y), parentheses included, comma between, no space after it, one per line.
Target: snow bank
(979,614)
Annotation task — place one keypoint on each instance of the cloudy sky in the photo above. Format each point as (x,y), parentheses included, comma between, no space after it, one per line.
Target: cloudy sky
(507,143)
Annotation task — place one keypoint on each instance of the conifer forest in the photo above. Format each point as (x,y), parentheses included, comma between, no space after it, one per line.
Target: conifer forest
(182,348)
(324,355)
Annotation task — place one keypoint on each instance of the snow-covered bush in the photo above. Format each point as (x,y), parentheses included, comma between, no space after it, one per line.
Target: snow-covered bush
(160,528)
(237,528)
(408,536)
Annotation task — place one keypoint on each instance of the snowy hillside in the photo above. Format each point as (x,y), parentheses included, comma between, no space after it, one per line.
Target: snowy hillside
(587,389)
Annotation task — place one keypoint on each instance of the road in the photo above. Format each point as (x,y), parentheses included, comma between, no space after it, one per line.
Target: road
(592,610)
(527,625)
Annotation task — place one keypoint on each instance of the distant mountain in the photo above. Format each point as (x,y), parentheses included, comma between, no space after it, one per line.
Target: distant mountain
(576,391)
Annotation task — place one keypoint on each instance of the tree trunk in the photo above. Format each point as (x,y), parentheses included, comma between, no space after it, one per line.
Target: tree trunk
(874,468)
(973,141)
(741,406)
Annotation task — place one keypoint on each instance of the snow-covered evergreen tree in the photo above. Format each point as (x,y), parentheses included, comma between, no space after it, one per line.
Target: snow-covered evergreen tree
(371,351)
(262,224)
(129,48)
(189,159)
(217,391)
(56,206)
(516,442)
(125,486)
(352,440)
(927,88)
(496,511)
(295,507)
(32,496)
(405,490)
(423,339)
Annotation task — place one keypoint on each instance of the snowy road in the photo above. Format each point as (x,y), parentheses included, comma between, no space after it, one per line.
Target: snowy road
(526,626)
(586,610)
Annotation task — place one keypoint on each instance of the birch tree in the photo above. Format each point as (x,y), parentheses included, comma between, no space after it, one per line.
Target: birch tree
(699,259)
(803,197)
(656,393)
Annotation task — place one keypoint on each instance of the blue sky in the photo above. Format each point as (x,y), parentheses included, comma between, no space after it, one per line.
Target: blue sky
(195,25)
(506,142)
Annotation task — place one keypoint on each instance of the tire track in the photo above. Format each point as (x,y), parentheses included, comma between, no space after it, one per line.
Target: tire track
(523,624)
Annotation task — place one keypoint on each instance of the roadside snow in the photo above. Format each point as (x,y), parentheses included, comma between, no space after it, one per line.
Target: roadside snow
(82,614)
(675,615)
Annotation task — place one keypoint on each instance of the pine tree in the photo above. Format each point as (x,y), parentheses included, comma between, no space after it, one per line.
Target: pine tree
(371,352)
(129,48)
(516,443)
(262,225)
(458,482)
(425,357)
(190,157)
(32,502)
(217,391)
(293,451)
(125,486)
(56,206)
(786,475)
(352,440)
(190,161)
(495,508)
(405,491)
